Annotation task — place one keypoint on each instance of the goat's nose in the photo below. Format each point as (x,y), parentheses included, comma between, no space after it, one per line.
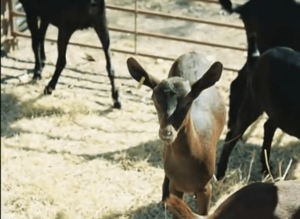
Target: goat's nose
(168,133)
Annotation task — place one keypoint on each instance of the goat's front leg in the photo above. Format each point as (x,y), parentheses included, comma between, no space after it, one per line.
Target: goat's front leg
(32,22)
(64,35)
(269,131)
(174,191)
(165,188)
(203,199)
(103,34)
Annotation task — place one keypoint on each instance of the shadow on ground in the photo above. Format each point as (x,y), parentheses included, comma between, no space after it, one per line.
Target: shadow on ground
(239,161)
(151,211)
(241,157)
(51,64)
(13,109)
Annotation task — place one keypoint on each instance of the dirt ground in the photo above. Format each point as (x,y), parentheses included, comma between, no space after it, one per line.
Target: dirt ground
(70,155)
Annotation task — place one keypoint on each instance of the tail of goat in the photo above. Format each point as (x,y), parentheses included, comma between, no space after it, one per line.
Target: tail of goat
(180,209)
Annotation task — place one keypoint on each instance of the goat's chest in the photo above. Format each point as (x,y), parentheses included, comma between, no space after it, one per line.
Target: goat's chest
(186,172)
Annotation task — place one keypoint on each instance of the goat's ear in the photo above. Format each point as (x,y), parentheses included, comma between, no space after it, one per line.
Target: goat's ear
(212,75)
(138,72)
(229,6)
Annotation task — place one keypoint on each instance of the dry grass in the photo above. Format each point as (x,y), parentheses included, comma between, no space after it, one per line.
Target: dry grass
(71,156)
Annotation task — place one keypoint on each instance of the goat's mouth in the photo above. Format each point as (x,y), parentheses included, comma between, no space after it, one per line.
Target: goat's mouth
(93,9)
(167,136)
(167,139)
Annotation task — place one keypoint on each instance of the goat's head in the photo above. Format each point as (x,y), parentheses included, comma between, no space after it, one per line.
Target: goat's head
(173,97)
(95,6)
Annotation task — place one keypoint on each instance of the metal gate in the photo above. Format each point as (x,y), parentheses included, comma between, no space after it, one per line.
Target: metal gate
(12,33)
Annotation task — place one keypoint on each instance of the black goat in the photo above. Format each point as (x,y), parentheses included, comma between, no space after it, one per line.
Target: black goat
(272,87)
(276,23)
(68,16)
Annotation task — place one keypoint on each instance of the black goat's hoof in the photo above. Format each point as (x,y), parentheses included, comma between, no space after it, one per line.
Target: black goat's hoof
(117,105)
(36,77)
(48,90)
(220,177)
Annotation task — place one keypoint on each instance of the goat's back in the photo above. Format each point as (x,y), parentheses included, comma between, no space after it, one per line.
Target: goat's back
(276,87)
(262,201)
(190,66)
(67,13)
(53,6)
(254,201)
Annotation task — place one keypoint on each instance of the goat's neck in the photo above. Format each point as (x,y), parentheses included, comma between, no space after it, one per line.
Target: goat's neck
(187,135)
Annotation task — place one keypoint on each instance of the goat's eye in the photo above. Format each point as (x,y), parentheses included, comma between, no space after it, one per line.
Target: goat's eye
(169,93)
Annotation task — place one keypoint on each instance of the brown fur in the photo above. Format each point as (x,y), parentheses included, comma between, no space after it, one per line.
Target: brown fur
(179,208)
(257,200)
(192,115)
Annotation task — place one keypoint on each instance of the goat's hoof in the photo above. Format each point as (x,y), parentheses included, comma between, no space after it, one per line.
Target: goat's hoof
(48,90)
(220,177)
(36,77)
(162,204)
(117,105)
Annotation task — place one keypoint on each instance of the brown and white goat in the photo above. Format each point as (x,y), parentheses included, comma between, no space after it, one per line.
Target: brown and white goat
(255,201)
(191,115)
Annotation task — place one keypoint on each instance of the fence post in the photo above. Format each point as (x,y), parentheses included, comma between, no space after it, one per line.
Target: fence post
(135,27)
(11,34)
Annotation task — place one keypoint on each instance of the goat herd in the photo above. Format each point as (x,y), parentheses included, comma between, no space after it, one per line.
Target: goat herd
(191,112)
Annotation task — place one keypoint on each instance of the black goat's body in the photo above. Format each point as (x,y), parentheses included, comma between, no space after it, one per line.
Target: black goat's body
(276,83)
(275,23)
(68,16)
(62,13)
(273,88)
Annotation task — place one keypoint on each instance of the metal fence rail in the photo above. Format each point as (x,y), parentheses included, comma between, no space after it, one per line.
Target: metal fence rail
(14,33)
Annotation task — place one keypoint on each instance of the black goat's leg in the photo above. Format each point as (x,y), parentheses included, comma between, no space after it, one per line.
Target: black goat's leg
(269,131)
(41,50)
(236,99)
(32,22)
(103,34)
(247,115)
(64,35)
(42,33)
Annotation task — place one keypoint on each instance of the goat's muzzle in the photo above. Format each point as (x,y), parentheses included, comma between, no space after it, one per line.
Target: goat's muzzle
(167,134)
